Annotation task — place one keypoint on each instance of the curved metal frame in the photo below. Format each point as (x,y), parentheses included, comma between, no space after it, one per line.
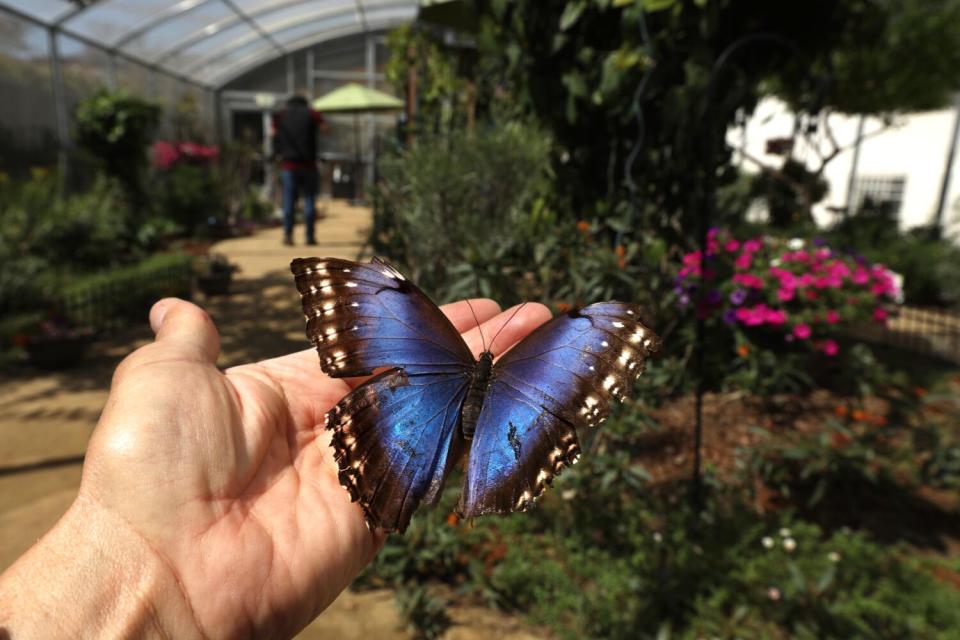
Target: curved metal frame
(257,17)
(255,60)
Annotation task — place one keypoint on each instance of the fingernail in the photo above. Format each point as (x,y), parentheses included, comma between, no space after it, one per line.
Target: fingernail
(157,313)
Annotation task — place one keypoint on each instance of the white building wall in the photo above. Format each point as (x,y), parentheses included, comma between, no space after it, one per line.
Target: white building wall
(914,146)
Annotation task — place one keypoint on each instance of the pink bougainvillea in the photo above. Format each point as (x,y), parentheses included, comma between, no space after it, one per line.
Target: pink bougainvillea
(800,289)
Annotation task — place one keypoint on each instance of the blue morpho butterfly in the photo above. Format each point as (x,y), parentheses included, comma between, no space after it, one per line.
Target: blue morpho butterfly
(397,436)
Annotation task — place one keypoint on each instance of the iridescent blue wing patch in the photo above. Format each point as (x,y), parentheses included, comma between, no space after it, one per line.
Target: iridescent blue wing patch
(563,376)
(364,316)
(395,441)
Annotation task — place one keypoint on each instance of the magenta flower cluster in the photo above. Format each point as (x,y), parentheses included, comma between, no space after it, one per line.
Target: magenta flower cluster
(801,289)
(167,154)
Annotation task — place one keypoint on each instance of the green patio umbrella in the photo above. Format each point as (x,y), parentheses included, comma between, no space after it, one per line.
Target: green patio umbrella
(356,99)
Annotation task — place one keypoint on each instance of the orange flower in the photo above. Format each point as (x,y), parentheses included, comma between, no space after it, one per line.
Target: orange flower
(453,519)
(563,307)
(621,254)
(841,411)
(859,416)
(840,440)
(743,350)
(583,227)
(919,392)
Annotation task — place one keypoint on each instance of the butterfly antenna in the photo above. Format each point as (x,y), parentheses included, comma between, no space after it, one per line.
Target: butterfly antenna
(512,316)
(477,320)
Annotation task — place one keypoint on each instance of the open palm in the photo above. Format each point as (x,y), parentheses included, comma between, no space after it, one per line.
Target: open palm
(228,477)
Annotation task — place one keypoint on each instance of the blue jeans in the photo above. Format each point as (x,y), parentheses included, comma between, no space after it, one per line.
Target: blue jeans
(299,182)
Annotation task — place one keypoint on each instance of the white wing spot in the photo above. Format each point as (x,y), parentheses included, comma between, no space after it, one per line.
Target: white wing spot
(618,324)
(605,344)
(351,284)
(608,382)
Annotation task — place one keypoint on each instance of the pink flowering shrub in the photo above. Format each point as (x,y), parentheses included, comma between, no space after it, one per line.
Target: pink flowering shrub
(167,154)
(780,296)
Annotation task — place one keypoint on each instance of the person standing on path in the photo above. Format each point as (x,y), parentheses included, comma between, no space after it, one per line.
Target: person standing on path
(295,130)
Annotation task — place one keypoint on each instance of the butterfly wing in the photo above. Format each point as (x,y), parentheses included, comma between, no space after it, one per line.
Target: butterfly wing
(562,376)
(395,440)
(361,316)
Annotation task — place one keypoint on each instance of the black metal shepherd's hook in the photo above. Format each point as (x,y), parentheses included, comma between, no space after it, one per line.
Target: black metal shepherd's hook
(708,212)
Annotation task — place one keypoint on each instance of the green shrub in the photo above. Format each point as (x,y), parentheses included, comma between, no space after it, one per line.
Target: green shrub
(116,128)
(123,295)
(458,213)
(190,196)
(43,233)
(425,613)
(607,558)
(929,264)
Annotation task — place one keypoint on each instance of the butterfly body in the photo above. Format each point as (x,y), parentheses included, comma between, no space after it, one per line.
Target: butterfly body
(397,436)
(473,402)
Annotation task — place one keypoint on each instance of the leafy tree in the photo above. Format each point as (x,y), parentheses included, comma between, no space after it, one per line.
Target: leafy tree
(621,77)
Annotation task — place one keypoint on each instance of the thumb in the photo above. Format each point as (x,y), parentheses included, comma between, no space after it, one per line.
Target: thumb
(185,330)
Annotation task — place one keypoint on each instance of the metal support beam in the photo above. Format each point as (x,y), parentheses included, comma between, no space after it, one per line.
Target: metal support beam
(255,26)
(371,70)
(173,11)
(59,101)
(291,75)
(948,168)
(852,179)
(114,75)
(357,76)
(311,79)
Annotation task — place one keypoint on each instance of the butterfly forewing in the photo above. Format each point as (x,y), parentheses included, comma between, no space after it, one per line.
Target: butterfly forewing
(364,316)
(564,375)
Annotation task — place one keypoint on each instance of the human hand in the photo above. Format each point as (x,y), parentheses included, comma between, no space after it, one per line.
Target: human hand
(210,504)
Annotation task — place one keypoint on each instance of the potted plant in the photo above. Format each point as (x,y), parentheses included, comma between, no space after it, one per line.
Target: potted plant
(55,342)
(216,275)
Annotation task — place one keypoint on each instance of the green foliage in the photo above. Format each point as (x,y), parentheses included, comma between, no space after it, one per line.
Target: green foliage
(657,570)
(440,89)
(42,232)
(930,265)
(456,212)
(121,295)
(426,614)
(790,193)
(191,197)
(116,128)
(470,215)
(583,83)
(841,586)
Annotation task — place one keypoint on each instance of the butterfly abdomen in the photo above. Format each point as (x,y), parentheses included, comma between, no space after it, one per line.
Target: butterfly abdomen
(475,394)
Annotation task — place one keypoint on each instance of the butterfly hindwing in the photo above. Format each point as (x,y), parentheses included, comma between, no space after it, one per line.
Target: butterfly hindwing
(563,376)
(395,440)
(361,316)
